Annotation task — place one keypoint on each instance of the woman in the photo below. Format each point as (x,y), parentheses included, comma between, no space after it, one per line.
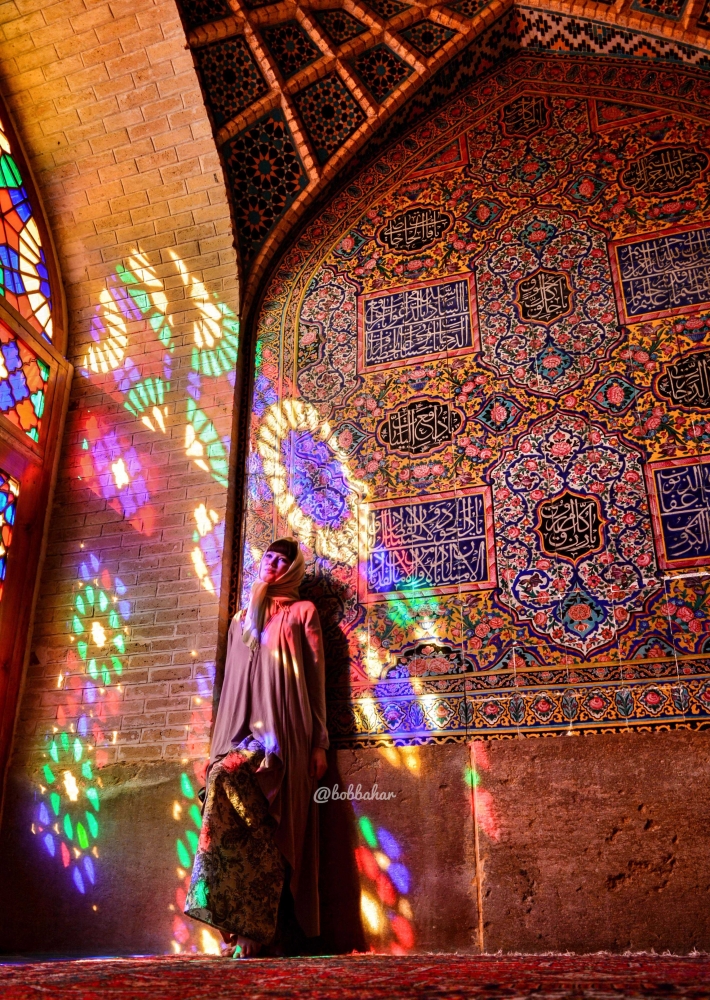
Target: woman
(260,823)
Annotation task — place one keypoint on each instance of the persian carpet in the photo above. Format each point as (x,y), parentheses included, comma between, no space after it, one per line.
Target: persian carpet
(363,977)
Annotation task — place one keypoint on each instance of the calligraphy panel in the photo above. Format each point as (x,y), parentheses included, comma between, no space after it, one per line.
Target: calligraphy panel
(666,170)
(415,229)
(416,323)
(687,382)
(423,425)
(663,274)
(680,505)
(437,544)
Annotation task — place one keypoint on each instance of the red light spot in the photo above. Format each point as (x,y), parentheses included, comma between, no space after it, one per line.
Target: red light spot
(66,857)
(385,890)
(366,863)
(403,931)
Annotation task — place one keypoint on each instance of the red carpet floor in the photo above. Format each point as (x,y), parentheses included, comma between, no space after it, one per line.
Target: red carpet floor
(362,977)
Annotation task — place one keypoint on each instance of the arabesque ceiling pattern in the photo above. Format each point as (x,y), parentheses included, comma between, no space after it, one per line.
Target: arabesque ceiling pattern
(294,89)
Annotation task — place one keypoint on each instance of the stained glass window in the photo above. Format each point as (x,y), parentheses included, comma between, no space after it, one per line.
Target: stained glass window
(23,378)
(9,489)
(24,279)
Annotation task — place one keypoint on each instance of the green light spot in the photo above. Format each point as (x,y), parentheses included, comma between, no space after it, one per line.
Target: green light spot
(90,594)
(105,675)
(195,816)
(81,835)
(78,749)
(55,802)
(77,626)
(119,643)
(367,832)
(93,825)
(48,775)
(183,855)
(113,619)
(85,444)
(65,740)
(68,827)
(471,777)
(82,648)
(117,665)
(92,669)
(193,840)
(93,797)
(53,752)
(200,894)
(80,604)
(86,770)
(103,600)
(186,787)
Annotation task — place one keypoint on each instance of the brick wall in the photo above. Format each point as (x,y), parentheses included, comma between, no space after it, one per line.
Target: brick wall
(105,98)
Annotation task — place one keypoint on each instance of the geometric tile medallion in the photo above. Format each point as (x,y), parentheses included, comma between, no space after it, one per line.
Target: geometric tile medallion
(427,36)
(339,25)
(704,19)
(671,9)
(469,8)
(381,70)
(387,8)
(230,78)
(330,114)
(199,12)
(265,175)
(290,46)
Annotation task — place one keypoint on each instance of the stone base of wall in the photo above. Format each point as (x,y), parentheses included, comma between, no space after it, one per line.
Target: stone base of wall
(573,844)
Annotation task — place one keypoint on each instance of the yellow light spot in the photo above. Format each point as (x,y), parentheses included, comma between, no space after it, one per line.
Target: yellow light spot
(210,944)
(411,758)
(145,420)
(176,947)
(177,810)
(98,633)
(115,736)
(198,561)
(371,913)
(71,786)
(382,860)
(120,473)
(405,909)
(391,755)
(159,416)
(59,680)
(180,872)
(205,519)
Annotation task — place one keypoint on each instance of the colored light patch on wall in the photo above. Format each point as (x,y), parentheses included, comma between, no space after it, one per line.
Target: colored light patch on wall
(9,490)
(23,382)
(24,278)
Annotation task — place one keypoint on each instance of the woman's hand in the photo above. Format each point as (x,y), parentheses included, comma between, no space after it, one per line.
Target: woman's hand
(318,764)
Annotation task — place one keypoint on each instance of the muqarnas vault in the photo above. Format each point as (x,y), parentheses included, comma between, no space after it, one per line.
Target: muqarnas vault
(482,398)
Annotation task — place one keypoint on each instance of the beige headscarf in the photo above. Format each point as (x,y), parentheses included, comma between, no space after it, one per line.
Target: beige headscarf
(264,596)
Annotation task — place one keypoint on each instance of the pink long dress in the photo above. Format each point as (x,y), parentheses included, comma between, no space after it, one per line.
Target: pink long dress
(277,696)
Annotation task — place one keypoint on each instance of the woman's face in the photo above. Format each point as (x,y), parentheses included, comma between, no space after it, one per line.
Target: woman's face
(273,566)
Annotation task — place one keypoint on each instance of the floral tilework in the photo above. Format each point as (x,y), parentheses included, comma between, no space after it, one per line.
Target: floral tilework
(387,8)
(469,8)
(23,379)
(339,25)
(330,114)
(670,9)
(9,491)
(265,175)
(230,78)
(381,71)
(199,12)
(427,36)
(291,47)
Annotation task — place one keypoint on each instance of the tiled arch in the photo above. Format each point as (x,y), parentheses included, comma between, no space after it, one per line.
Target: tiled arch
(294,90)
